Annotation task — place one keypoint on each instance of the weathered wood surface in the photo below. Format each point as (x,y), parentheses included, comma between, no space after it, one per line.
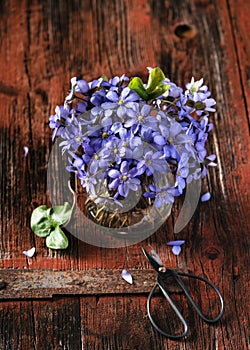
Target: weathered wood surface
(44,283)
(42,45)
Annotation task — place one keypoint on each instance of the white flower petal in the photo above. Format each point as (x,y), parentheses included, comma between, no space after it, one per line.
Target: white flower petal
(127,276)
(26,151)
(29,253)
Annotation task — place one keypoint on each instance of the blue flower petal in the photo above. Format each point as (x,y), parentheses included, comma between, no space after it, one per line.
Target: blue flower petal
(176,243)
(205,197)
(83,86)
(176,249)
(113,173)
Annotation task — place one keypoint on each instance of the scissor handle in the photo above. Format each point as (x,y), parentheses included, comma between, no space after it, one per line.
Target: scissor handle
(197,309)
(174,307)
(174,274)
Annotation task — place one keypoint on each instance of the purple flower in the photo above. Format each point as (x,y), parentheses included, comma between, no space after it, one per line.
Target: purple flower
(181,175)
(97,162)
(88,181)
(162,195)
(116,81)
(99,136)
(140,116)
(131,145)
(112,136)
(176,246)
(172,134)
(82,86)
(73,137)
(152,162)
(124,179)
(113,151)
(98,98)
(77,163)
(120,104)
(127,95)
(60,120)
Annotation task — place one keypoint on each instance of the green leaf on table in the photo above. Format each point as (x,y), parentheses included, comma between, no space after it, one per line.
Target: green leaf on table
(136,84)
(156,77)
(45,222)
(57,239)
(60,214)
(40,221)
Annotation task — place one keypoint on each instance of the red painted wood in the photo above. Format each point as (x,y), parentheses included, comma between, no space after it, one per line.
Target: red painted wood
(41,47)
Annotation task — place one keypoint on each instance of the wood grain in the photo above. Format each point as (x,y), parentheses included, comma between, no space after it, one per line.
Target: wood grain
(43,45)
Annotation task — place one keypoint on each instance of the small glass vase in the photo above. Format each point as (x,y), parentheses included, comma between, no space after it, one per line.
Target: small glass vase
(137,218)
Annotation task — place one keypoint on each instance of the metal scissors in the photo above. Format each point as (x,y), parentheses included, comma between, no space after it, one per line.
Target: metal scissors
(163,275)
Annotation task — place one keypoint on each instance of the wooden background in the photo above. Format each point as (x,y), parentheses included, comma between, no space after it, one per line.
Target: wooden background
(45,43)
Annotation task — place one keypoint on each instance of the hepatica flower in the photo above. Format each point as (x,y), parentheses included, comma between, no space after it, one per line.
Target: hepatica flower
(124,179)
(131,134)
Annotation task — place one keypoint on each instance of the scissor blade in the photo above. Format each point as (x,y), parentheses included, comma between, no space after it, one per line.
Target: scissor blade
(151,260)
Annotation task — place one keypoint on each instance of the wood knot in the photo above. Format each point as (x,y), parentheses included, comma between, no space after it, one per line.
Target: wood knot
(212,253)
(185,31)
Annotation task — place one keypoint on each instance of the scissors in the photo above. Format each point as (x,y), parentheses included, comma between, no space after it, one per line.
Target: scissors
(163,275)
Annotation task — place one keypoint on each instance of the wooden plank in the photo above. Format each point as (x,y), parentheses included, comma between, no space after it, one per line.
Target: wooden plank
(43,283)
(41,47)
(239,11)
(127,326)
(40,325)
(17,326)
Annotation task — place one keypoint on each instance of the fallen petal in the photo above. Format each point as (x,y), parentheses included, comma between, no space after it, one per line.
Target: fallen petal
(127,276)
(176,243)
(29,253)
(26,151)
(205,197)
(176,249)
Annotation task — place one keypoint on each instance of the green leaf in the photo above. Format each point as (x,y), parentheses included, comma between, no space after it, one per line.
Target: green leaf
(60,214)
(161,90)
(136,84)
(40,221)
(57,239)
(156,77)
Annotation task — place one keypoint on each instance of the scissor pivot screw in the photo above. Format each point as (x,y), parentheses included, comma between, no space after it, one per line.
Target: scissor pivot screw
(162,269)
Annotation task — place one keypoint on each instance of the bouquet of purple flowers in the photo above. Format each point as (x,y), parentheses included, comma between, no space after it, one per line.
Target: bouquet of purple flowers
(127,140)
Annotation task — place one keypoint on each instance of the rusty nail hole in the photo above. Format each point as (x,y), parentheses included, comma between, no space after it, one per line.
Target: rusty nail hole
(185,31)
(2,284)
